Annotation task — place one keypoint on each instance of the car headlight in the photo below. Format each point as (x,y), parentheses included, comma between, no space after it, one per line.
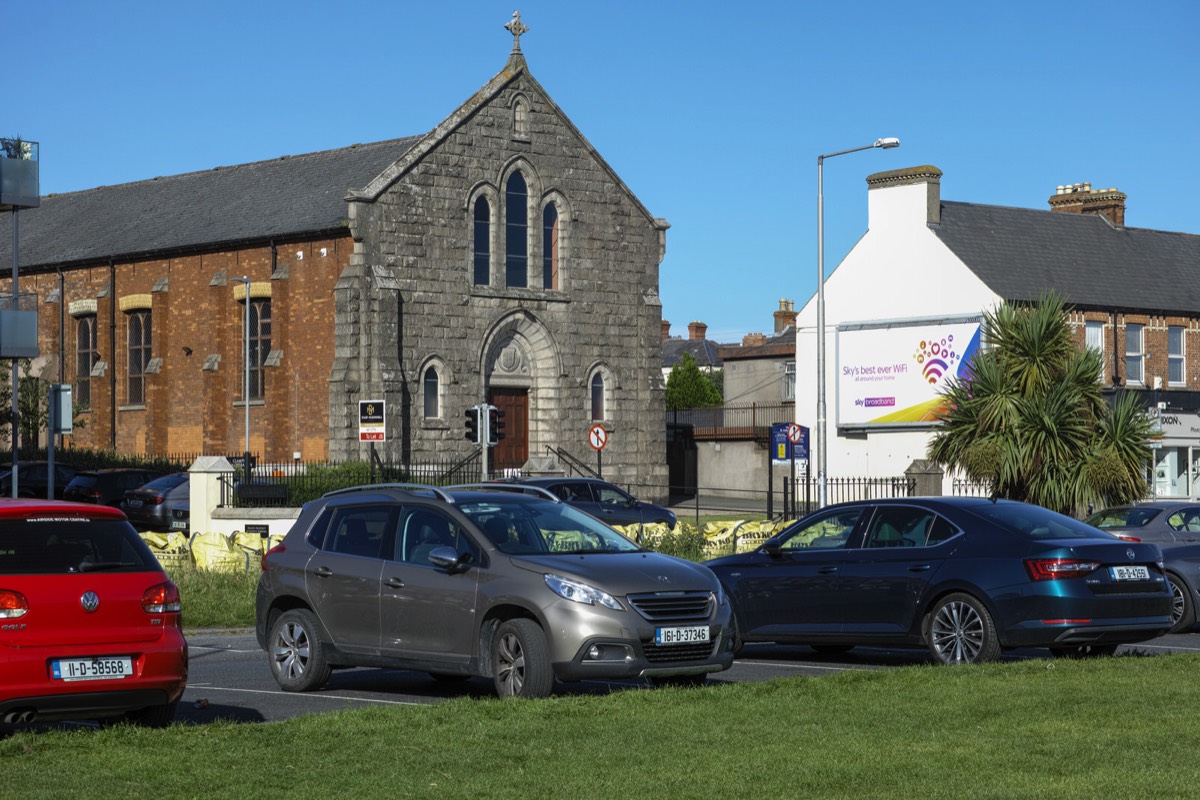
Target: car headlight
(581,593)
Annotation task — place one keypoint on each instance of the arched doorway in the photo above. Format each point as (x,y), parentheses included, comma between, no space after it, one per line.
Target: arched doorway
(521,368)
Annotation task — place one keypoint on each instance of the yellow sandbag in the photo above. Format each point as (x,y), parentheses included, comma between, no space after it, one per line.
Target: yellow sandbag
(171,549)
(221,552)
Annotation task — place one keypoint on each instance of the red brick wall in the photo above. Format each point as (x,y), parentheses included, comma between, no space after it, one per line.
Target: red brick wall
(189,409)
(1154,346)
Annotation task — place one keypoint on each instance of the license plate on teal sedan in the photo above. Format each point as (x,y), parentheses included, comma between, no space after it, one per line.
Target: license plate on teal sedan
(1130,573)
(690,634)
(92,669)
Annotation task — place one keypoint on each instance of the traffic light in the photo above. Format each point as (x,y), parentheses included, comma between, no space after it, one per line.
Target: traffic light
(495,425)
(472,433)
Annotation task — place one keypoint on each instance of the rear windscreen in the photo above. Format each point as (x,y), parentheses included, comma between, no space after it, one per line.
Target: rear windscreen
(1035,522)
(58,545)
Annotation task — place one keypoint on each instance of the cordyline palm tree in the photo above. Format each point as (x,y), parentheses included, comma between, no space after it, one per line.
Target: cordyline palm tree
(1030,420)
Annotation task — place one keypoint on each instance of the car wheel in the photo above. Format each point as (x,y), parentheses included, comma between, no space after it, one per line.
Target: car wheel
(297,655)
(961,631)
(152,717)
(521,660)
(1183,610)
(1084,651)
(832,649)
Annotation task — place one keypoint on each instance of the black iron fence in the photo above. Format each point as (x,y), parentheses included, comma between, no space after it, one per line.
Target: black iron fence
(290,485)
(961,487)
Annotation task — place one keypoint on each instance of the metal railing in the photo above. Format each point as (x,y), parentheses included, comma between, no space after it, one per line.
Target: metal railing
(733,422)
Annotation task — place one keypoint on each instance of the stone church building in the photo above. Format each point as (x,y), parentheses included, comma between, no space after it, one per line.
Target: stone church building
(496,258)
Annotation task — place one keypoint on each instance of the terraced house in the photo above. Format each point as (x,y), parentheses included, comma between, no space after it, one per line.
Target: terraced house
(496,258)
(927,268)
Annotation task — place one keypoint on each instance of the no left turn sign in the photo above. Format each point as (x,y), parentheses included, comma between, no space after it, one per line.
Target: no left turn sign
(597,437)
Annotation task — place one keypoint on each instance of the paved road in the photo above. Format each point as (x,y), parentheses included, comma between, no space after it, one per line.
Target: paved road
(230,679)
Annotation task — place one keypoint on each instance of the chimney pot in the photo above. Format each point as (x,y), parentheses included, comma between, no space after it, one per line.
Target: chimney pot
(696,331)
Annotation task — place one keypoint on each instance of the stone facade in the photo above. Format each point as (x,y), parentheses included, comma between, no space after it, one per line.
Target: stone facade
(409,300)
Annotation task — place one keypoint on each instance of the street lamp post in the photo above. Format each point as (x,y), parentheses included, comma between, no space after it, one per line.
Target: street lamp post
(246,373)
(822,449)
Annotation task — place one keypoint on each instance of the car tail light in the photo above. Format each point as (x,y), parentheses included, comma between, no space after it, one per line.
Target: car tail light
(1126,537)
(12,604)
(162,598)
(279,548)
(157,500)
(1055,569)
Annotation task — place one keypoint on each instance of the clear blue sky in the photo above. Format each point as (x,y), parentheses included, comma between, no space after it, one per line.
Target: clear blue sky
(712,113)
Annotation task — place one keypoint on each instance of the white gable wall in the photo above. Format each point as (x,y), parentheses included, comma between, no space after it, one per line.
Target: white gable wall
(898,270)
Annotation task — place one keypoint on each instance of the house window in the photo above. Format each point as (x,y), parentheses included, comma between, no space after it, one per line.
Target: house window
(1175,353)
(430,387)
(550,247)
(1095,339)
(260,345)
(516,241)
(597,397)
(483,242)
(789,380)
(139,340)
(1134,354)
(86,357)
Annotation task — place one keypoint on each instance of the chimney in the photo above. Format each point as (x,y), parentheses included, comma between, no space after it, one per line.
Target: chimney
(1081,198)
(696,331)
(753,340)
(785,316)
(921,203)
(666,330)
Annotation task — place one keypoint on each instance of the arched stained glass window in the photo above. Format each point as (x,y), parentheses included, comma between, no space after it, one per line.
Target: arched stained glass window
(597,397)
(516,240)
(430,387)
(550,247)
(483,242)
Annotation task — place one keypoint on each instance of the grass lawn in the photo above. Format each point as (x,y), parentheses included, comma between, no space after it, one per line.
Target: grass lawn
(1117,727)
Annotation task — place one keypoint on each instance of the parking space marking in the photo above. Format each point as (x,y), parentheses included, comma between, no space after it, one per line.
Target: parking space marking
(210,688)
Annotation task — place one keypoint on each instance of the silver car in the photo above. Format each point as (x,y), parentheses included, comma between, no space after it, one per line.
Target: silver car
(507,583)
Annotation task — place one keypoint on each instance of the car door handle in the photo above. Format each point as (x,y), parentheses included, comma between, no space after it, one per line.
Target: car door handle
(322,572)
(395,583)
(827,570)
(919,568)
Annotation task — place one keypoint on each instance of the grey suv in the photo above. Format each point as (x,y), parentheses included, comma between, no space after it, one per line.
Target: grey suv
(502,582)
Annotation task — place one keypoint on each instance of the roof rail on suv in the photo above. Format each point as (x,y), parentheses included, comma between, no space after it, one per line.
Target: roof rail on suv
(519,488)
(436,491)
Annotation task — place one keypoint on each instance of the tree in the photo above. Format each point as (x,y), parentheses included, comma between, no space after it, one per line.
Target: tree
(688,387)
(1030,418)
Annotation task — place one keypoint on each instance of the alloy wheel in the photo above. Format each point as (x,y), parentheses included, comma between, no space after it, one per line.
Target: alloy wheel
(291,651)
(957,633)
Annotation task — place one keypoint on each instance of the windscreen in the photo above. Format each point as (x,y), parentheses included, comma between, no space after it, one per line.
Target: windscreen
(521,528)
(59,545)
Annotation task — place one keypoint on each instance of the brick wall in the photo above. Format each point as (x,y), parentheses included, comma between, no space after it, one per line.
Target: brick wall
(189,408)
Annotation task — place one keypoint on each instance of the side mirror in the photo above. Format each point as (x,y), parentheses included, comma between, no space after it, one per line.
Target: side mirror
(448,559)
(771,549)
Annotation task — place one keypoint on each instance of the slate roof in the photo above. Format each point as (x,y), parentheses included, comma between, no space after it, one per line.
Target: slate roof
(705,352)
(275,199)
(778,345)
(1019,253)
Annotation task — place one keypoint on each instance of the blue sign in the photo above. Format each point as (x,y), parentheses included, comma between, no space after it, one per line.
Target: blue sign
(788,441)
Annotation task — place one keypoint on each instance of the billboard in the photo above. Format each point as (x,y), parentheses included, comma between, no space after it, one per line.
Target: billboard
(891,374)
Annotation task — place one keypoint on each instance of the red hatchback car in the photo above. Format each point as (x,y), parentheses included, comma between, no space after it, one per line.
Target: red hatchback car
(89,622)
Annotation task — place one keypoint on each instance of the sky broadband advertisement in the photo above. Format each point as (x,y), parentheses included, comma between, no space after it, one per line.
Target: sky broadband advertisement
(893,374)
